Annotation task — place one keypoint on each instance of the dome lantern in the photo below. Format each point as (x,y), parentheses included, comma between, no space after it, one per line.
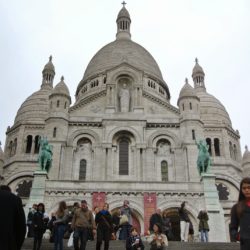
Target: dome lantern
(123,22)
(198,76)
(48,74)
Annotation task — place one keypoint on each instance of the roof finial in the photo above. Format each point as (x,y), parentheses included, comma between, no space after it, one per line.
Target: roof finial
(50,58)
(196,60)
(186,80)
(124,3)
(246,148)
(62,78)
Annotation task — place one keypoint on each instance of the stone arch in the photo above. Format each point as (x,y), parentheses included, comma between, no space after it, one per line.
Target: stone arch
(19,175)
(163,134)
(231,180)
(113,132)
(88,133)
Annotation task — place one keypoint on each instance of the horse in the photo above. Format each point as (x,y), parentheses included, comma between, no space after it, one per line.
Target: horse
(203,161)
(45,155)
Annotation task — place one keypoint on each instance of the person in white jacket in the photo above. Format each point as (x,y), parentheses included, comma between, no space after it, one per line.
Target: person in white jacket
(157,240)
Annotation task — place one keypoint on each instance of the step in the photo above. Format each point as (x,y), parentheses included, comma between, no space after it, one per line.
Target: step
(119,245)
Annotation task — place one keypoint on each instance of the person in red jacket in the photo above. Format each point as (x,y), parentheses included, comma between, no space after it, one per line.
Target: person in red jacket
(240,216)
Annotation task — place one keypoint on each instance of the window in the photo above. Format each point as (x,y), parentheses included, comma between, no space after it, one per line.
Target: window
(183,106)
(208,140)
(217,147)
(65,105)
(235,152)
(123,156)
(57,103)
(10,148)
(36,150)
(28,144)
(231,149)
(193,134)
(54,133)
(190,105)
(82,170)
(14,147)
(164,171)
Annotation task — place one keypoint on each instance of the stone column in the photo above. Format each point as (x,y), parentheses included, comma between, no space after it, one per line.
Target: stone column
(214,209)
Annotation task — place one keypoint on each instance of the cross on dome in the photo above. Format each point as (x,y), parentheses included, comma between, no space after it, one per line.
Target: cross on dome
(196,60)
(50,58)
(124,3)
(186,80)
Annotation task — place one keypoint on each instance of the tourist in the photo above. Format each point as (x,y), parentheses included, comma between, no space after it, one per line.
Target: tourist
(203,225)
(62,218)
(184,222)
(90,231)
(103,221)
(29,221)
(124,228)
(134,241)
(116,221)
(82,220)
(240,216)
(125,209)
(167,226)
(51,227)
(39,225)
(157,240)
(191,232)
(155,218)
(12,219)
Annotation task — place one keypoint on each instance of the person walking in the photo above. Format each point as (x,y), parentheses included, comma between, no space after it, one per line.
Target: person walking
(39,226)
(126,210)
(240,216)
(104,225)
(62,217)
(124,228)
(203,225)
(29,221)
(81,222)
(167,226)
(134,241)
(12,219)
(184,222)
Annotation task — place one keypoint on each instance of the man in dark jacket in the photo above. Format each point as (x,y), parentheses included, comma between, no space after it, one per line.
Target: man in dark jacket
(12,219)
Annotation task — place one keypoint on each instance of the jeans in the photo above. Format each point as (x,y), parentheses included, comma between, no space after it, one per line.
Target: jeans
(204,235)
(38,235)
(82,234)
(58,236)
(184,230)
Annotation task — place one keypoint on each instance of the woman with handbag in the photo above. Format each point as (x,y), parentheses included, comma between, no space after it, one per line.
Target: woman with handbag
(103,221)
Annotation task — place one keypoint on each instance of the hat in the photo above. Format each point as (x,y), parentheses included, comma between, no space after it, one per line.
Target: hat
(84,201)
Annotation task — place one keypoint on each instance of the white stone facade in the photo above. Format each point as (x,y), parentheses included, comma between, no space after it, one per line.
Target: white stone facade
(155,139)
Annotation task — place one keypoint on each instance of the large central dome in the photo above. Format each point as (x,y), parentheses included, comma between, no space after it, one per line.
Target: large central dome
(123,50)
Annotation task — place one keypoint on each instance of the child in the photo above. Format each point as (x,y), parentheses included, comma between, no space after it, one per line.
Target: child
(157,240)
(134,241)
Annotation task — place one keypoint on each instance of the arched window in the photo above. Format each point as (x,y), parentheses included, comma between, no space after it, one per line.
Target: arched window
(36,150)
(235,152)
(28,144)
(123,156)
(190,106)
(14,147)
(208,140)
(193,134)
(10,148)
(65,105)
(164,171)
(231,149)
(82,170)
(57,103)
(54,133)
(217,147)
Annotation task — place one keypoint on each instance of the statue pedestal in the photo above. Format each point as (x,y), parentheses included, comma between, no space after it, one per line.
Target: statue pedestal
(215,212)
(38,188)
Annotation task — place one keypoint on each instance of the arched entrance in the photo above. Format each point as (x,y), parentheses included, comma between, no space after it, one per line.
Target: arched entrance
(173,214)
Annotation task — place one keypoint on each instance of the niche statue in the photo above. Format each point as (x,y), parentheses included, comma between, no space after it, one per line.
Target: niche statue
(124,96)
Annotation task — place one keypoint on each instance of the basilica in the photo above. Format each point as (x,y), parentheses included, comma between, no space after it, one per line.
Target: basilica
(122,139)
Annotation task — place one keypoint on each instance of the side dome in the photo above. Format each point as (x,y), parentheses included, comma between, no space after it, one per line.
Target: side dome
(35,107)
(122,50)
(61,88)
(212,111)
(187,91)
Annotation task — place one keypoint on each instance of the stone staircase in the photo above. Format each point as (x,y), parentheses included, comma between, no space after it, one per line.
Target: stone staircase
(120,245)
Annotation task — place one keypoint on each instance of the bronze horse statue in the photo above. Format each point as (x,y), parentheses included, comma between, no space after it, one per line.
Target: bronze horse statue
(45,155)
(203,161)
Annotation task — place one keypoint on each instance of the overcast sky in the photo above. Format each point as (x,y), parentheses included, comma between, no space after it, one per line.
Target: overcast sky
(173,31)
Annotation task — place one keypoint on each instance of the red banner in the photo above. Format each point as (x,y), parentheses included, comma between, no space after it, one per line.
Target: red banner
(98,199)
(149,209)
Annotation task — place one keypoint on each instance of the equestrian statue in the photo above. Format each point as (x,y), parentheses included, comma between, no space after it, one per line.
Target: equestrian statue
(45,154)
(203,161)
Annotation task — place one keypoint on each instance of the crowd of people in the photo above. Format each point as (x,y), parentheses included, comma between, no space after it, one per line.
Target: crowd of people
(82,224)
